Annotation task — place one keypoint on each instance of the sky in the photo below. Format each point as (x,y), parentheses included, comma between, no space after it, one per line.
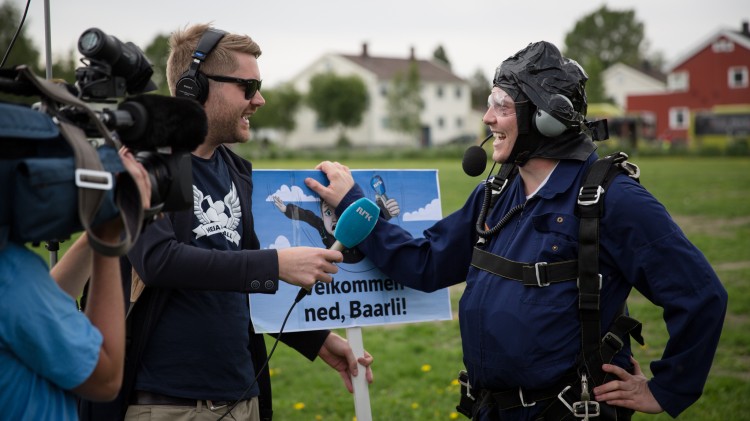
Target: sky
(475,34)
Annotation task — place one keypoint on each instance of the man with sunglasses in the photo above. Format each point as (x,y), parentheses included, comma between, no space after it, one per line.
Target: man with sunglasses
(201,358)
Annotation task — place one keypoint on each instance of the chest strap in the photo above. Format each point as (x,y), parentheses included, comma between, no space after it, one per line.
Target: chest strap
(539,274)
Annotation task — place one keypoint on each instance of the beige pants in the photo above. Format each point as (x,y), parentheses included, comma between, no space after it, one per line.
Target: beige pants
(244,411)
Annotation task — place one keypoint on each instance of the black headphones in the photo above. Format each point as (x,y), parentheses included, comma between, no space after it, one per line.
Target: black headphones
(192,83)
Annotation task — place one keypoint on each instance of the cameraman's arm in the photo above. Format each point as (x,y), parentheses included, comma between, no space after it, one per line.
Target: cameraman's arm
(74,268)
(105,306)
(105,309)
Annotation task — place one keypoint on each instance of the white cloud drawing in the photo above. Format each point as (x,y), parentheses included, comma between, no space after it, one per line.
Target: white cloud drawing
(431,212)
(280,243)
(293,194)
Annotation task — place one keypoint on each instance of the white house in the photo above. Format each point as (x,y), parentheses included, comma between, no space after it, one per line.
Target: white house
(446,114)
(621,80)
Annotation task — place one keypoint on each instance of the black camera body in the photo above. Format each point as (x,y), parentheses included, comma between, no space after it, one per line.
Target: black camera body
(160,131)
(116,69)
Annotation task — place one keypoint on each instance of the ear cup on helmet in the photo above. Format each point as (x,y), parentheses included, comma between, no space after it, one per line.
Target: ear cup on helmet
(548,125)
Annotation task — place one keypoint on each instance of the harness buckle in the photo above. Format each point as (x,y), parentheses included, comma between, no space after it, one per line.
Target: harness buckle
(590,195)
(463,380)
(498,188)
(578,282)
(585,408)
(539,282)
(523,402)
(564,402)
(613,340)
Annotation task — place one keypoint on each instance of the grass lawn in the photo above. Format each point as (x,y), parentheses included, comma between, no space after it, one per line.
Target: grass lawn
(416,364)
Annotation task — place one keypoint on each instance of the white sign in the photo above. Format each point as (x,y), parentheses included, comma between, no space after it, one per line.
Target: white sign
(288,214)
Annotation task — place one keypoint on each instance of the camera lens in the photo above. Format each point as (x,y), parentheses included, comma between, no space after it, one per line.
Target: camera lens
(125,60)
(158,172)
(89,42)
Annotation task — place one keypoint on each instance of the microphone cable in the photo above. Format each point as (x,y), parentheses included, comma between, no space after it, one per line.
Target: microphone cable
(15,36)
(297,299)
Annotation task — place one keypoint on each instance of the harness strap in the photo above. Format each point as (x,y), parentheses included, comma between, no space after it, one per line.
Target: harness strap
(538,274)
(590,209)
(519,397)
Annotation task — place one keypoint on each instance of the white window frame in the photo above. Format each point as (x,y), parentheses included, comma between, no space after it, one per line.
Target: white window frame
(679,81)
(731,79)
(722,46)
(679,118)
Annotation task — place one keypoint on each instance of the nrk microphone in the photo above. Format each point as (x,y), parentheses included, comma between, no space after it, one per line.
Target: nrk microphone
(475,159)
(355,224)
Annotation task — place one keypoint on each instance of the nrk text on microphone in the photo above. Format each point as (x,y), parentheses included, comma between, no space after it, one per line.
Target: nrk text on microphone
(288,214)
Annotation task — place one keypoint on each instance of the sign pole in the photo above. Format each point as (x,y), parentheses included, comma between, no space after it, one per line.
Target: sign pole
(361,390)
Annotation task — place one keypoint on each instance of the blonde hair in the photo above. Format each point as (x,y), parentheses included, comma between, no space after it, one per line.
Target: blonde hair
(182,45)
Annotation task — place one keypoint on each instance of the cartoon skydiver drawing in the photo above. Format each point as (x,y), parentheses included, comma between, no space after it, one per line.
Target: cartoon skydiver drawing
(324,224)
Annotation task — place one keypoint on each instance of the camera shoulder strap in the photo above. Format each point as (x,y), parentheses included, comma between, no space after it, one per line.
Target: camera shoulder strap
(91,177)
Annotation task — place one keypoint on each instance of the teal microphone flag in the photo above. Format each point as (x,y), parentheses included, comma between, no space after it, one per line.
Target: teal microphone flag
(355,223)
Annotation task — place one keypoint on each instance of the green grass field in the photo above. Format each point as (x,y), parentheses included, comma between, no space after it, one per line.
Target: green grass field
(416,364)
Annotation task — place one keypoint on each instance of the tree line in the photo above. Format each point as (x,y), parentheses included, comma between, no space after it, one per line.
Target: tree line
(597,40)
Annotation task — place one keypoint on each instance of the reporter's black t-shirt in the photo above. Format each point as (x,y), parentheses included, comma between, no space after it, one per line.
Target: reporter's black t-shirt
(199,349)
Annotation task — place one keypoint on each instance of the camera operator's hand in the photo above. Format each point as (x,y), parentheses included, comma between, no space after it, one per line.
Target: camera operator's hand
(139,174)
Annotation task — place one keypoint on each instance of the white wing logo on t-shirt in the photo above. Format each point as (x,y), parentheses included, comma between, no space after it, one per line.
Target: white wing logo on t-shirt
(222,216)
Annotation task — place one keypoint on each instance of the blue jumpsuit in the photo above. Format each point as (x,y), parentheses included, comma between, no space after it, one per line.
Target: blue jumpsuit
(516,336)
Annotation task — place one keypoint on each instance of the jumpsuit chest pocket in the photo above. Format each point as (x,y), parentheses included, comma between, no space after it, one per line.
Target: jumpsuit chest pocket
(558,236)
(557,242)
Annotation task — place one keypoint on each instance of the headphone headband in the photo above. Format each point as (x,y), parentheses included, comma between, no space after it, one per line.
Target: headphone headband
(207,43)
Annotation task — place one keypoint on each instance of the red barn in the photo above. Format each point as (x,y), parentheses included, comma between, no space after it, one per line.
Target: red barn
(708,91)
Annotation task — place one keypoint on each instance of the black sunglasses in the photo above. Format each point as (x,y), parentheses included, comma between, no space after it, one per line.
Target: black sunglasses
(251,85)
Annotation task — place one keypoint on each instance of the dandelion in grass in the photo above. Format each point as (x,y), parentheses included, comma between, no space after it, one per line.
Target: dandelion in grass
(426,368)
(454,382)
(414,405)
(318,417)
(453,415)
(299,405)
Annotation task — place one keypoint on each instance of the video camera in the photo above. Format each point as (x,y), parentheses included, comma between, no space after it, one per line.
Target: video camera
(43,166)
